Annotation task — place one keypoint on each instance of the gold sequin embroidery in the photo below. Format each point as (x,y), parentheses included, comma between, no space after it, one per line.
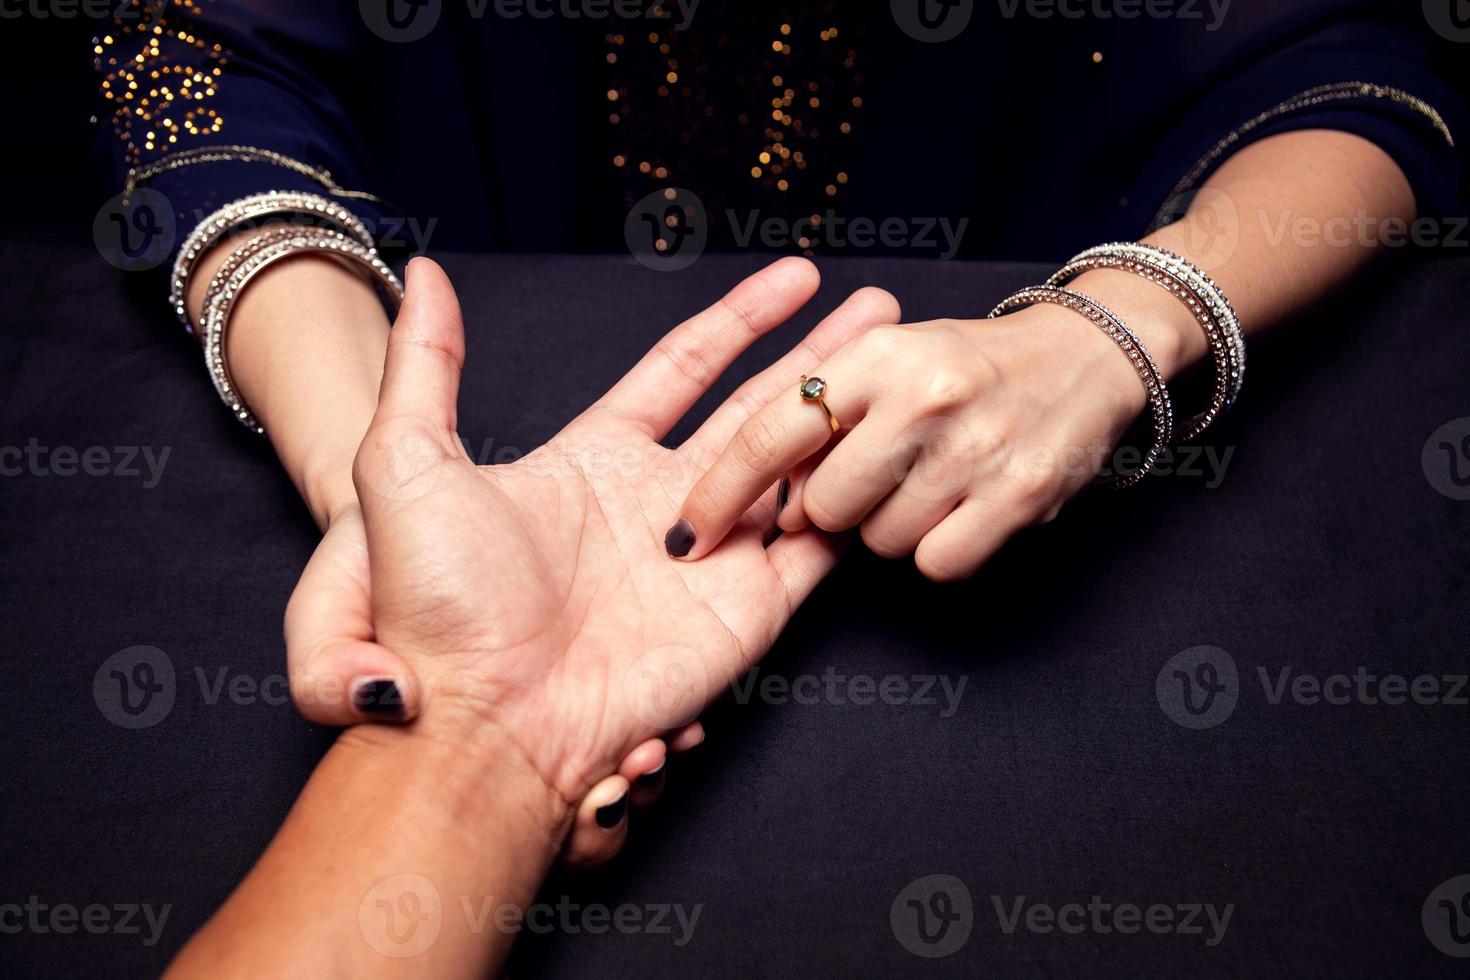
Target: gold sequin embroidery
(158,76)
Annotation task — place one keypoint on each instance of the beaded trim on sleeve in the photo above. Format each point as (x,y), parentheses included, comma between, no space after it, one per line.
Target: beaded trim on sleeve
(1336,92)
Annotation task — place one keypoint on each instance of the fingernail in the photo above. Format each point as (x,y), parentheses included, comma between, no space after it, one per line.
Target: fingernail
(783,493)
(679,539)
(611,815)
(652,778)
(379,698)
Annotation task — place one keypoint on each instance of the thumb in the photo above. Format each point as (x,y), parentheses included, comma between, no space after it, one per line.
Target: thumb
(412,434)
(425,350)
(339,676)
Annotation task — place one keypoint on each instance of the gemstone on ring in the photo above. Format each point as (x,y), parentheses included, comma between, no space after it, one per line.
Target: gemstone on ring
(812,389)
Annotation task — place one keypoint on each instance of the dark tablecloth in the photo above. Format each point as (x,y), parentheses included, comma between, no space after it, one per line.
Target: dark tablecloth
(1333,546)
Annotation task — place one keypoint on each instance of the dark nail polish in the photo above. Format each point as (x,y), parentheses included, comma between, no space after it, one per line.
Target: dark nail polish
(679,539)
(379,699)
(611,815)
(783,493)
(651,779)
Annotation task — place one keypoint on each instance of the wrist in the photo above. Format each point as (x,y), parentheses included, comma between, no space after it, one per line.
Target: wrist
(477,784)
(1164,325)
(306,347)
(326,486)
(1083,361)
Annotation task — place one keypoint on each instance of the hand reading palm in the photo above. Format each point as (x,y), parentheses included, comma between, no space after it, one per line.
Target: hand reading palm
(538,596)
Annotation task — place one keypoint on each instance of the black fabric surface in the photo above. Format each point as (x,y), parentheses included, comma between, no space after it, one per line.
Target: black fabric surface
(795,827)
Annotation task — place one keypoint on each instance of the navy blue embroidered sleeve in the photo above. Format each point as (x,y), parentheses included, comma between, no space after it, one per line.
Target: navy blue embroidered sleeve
(1362,68)
(209,101)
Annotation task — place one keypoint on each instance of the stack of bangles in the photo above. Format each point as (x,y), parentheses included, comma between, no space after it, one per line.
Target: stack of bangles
(1197,291)
(300,224)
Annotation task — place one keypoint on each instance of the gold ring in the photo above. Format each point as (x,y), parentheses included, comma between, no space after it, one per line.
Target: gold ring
(815,390)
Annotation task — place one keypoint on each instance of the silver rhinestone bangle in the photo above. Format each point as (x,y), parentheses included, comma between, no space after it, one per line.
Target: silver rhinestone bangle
(259,254)
(1161,409)
(247,210)
(1205,289)
(265,237)
(1208,308)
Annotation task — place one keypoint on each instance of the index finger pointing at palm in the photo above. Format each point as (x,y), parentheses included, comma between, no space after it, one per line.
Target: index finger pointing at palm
(788,429)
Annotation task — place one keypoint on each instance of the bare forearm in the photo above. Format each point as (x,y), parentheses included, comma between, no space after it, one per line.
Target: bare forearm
(385,863)
(305,348)
(1275,226)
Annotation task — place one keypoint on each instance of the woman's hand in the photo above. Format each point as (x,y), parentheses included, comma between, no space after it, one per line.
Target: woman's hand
(955,433)
(536,598)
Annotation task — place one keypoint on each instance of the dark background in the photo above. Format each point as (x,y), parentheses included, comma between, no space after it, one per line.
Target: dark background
(795,827)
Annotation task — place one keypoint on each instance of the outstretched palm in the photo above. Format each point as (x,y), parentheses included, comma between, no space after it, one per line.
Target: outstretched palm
(538,596)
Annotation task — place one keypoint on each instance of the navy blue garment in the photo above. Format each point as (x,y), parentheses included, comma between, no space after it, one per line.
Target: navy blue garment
(1045,134)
